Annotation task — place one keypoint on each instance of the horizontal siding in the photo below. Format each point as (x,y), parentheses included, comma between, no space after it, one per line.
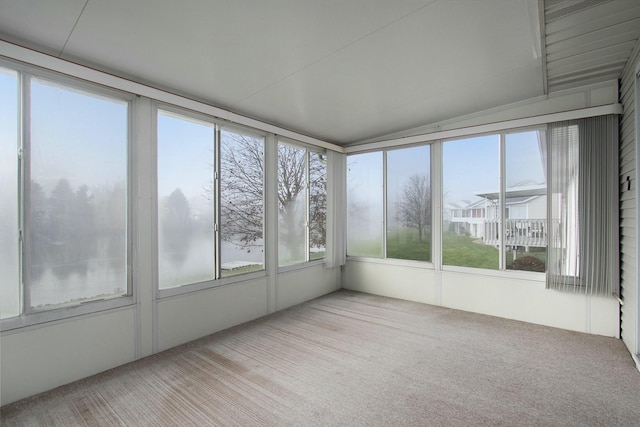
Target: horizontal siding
(628,214)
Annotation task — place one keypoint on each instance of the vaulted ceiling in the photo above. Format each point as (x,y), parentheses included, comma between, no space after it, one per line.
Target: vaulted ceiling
(339,70)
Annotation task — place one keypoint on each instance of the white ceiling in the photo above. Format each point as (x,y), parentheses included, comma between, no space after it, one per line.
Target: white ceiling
(338,70)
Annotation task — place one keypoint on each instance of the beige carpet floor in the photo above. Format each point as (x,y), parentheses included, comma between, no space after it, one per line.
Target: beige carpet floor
(356,359)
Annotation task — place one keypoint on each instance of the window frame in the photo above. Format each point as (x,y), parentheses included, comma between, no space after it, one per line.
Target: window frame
(29,316)
(434,155)
(501,271)
(307,262)
(218,125)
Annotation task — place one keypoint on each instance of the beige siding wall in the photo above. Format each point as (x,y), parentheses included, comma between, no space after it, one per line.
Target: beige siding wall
(628,214)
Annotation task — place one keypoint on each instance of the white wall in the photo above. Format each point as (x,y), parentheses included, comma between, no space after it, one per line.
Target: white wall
(511,295)
(38,358)
(629,229)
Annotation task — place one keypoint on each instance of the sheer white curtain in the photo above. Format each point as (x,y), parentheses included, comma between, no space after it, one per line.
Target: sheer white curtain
(336,254)
(583,253)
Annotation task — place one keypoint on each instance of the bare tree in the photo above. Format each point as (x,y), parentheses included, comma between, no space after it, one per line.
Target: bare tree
(317,200)
(414,208)
(241,187)
(241,192)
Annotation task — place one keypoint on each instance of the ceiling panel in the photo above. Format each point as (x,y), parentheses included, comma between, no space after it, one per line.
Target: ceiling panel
(223,51)
(588,41)
(339,70)
(40,24)
(422,61)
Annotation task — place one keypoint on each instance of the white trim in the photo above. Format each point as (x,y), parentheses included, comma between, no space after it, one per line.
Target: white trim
(424,265)
(636,358)
(300,265)
(46,316)
(179,290)
(38,59)
(489,128)
(637,194)
(508,274)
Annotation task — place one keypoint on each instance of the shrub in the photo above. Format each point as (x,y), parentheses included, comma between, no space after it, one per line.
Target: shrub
(528,263)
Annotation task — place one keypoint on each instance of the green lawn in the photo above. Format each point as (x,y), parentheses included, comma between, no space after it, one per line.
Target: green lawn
(404,243)
(465,252)
(458,250)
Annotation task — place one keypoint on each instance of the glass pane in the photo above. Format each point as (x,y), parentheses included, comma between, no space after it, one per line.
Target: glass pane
(317,205)
(364,205)
(185,200)
(525,232)
(409,204)
(78,196)
(471,204)
(241,203)
(292,205)
(9,249)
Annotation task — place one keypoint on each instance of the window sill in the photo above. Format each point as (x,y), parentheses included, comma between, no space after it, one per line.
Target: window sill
(210,284)
(301,266)
(394,261)
(39,318)
(508,274)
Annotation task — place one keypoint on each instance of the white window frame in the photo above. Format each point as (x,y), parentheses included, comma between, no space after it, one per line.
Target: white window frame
(502,271)
(28,316)
(217,280)
(435,204)
(308,149)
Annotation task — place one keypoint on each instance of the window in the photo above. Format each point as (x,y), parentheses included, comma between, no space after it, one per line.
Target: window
(317,205)
(302,204)
(470,170)
(10,303)
(192,248)
(365,205)
(67,195)
(525,227)
(241,202)
(398,195)
(504,225)
(409,204)
(186,238)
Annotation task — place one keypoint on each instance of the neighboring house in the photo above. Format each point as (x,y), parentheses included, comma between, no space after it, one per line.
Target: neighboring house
(466,217)
(525,216)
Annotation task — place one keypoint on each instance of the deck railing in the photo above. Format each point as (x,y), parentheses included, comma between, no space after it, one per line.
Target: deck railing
(517,232)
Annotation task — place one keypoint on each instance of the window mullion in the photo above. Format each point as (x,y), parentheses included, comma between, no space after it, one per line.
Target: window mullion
(216,203)
(25,188)
(502,201)
(384,204)
(307,160)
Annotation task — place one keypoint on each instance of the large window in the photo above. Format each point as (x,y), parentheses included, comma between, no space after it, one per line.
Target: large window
(10,302)
(395,198)
(409,204)
(471,206)
(241,202)
(302,204)
(525,228)
(492,222)
(210,205)
(365,205)
(186,239)
(66,195)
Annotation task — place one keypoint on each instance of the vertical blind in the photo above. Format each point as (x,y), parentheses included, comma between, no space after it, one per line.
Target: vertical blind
(583,252)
